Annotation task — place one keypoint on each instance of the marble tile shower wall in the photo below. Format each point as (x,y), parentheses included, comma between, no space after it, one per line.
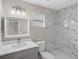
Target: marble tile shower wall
(67,36)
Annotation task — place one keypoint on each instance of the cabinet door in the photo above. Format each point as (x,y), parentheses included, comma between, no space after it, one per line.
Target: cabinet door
(8,57)
(26,53)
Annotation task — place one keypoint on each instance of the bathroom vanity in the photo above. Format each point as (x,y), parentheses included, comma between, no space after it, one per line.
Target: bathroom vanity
(11,28)
(27,50)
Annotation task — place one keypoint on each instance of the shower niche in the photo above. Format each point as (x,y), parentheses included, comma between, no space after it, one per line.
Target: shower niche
(15,27)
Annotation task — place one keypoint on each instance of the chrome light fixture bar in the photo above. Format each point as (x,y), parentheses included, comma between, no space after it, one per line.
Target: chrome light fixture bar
(18,10)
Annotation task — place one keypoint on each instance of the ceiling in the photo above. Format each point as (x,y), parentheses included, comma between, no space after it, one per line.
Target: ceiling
(52,4)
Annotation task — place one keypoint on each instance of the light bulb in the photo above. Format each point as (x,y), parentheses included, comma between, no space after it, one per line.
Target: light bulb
(23,13)
(18,12)
(12,11)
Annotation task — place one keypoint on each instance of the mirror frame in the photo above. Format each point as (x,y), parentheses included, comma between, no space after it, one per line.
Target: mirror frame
(3,29)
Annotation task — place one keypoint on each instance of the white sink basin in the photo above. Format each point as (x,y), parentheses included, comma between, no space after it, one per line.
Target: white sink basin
(20,45)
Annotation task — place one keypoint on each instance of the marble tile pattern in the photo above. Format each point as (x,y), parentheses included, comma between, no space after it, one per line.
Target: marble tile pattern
(67,37)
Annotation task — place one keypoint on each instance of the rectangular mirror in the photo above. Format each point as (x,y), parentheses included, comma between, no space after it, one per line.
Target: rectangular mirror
(15,27)
(11,27)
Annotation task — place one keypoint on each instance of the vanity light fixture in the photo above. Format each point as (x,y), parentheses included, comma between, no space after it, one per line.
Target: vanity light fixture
(13,11)
(18,11)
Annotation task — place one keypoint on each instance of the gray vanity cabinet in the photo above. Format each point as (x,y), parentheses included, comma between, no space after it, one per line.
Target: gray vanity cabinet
(24,54)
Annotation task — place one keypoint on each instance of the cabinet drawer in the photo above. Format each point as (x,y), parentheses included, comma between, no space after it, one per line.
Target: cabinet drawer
(33,56)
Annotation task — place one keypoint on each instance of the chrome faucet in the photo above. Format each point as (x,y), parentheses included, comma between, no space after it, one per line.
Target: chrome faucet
(18,41)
